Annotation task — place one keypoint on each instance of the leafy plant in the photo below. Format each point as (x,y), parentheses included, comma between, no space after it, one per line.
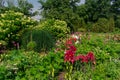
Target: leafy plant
(57,28)
(12,26)
(104,25)
(31,45)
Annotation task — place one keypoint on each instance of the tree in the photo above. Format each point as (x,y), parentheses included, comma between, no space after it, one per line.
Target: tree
(25,7)
(1,3)
(61,9)
(82,12)
(21,6)
(115,9)
(98,9)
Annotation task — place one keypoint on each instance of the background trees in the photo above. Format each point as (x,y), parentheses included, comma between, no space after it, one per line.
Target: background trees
(22,6)
(77,15)
(61,9)
(115,9)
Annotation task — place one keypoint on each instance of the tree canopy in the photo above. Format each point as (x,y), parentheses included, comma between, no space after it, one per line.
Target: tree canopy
(16,5)
(76,14)
(61,9)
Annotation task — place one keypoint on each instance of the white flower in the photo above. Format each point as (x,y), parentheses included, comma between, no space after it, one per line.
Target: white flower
(75,36)
(77,42)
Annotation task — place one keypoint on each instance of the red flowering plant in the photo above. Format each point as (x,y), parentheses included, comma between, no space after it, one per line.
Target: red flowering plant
(79,60)
(70,54)
(70,42)
(89,57)
(69,57)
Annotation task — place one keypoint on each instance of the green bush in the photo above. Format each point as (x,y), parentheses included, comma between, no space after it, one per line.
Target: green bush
(43,39)
(56,27)
(103,25)
(78,24)
(12,25)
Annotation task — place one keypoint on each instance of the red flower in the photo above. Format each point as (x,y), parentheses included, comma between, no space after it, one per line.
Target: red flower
(70,42)
(82,58)
(69,56)
(73,40)
(73,48)
(91,56)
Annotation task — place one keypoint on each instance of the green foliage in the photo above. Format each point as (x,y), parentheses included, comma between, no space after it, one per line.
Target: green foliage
(78,15)
(98,9)
(61,10)
(117,23)
(82,12)
(16,62)
(115,7)
(106,71)
(31,45)
(17,65)
(107,58)
(103,25)
(12,25)
(23,6)
(3,43)
(57,28)
(2,46)
(109,71)
(79,25)
(43,39)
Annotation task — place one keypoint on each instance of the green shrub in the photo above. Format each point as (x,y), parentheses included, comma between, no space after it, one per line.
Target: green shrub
(12,25)
(78,24)
(89,26)
(57,28)
(103,25)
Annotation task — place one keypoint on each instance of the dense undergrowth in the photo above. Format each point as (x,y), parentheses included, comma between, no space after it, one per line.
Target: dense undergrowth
(24,65)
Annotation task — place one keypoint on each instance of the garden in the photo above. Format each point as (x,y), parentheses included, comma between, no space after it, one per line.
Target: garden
(48,50)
